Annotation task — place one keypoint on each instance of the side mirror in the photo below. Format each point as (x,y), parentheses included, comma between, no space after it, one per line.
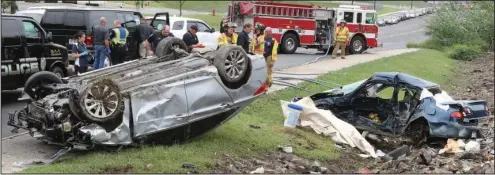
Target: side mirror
(48,36)
(212,30)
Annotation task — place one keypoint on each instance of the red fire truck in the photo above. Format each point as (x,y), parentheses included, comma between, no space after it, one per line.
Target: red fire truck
(308,26)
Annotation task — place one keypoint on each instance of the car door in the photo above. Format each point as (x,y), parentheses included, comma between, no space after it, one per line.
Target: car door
(32,40)
(206,35)
(12,52)
(158,19)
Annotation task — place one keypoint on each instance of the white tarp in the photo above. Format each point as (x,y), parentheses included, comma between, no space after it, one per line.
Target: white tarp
(324,122)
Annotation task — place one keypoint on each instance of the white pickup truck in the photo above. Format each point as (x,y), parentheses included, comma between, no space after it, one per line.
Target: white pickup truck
(180,25)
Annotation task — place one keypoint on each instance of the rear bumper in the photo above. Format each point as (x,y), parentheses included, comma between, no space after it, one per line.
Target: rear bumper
(454,130)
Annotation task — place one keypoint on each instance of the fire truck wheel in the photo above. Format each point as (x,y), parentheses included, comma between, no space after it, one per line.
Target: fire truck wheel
(232,63)
(289,43)
(357,45)
(166,46)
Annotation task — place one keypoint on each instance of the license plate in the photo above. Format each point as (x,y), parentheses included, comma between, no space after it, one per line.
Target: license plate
(72,41)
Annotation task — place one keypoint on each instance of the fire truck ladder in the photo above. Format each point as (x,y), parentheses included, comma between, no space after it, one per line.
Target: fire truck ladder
(282,11)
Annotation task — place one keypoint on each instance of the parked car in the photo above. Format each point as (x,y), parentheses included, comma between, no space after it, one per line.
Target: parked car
(397,103)
(26,49)
(144,99)
(380,22)
(180,25)
(402,15)
(411,14)
(65,22)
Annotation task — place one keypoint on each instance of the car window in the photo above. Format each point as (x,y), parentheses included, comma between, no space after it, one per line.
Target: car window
(10,28)
(386,92)
(74,21)
(157,22)
(349,17)
(35,16)
(190,23)
(137,18)
(178,25)
(53,20)
(95,16)
(202,27)
(31,30)
(130,23)
(370,18)
(359,18)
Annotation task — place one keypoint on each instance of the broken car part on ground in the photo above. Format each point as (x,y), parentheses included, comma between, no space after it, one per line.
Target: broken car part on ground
(392,103)
(186,94)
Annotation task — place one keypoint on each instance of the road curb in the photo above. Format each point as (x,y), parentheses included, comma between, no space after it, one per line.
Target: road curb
(13,136)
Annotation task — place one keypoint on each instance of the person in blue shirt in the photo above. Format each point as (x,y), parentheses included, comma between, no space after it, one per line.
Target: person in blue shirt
(80,53)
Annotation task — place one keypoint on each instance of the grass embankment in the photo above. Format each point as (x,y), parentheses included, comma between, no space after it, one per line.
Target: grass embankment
(386,10)
(237,139)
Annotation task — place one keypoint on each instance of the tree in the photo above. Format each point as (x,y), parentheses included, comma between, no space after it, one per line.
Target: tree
(181,3)
(10,4)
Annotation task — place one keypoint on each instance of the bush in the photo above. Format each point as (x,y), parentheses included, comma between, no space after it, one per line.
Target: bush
(428,44)
(454,24)
(464,52)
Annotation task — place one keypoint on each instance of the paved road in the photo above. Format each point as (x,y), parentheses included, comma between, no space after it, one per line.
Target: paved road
(392,37)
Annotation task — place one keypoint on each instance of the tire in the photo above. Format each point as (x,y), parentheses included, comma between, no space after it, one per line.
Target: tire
(165,46)
(289,43)
(32,85)
(57,70)
(418,131)
(228,54)
(92,110)
(357,45)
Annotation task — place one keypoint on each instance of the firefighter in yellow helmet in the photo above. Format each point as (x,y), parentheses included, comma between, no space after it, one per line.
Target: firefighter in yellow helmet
(270,54)
(258,42)
(341,37)
(229,37)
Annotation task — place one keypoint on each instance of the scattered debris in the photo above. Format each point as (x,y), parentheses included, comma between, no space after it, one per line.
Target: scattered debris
(116,169)
(254,126)
(472,146)
(397,153)
(259,170)
(148,166)
(379,153)
(188,165)
(365,171)
(286,149)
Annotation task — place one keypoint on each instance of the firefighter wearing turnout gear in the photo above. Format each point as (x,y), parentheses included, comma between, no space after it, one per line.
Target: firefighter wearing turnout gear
(341,37)
(118,39)
(228,37)
(270,54)
(258,43)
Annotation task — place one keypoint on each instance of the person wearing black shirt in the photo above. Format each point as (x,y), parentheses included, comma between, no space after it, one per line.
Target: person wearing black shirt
(190,38)
(243,39)
(154,39)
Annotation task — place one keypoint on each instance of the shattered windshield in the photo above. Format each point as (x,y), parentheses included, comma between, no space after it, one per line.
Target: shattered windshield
(351,87)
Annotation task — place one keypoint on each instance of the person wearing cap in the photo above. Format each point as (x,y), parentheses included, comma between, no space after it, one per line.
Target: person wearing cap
(258,43)
(229,37)
(154,39)
(341,37)
(270,54)
(190,38)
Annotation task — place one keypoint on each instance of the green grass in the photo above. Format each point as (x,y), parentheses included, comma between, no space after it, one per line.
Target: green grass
(213,21)
(386,10)
(237,139)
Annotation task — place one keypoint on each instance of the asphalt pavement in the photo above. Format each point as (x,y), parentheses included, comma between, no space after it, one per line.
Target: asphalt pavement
(393,37)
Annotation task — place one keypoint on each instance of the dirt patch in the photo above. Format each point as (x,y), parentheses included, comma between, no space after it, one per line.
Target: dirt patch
(116,169)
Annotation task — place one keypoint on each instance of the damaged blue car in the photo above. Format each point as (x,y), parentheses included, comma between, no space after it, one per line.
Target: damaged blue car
(392,103)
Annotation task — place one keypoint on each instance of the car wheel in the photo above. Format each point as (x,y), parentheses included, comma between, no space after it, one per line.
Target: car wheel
(58,71)
(166,46)
(358,45)
(418,131)
(101,101)
(232,63)
(289,43)
(33,88)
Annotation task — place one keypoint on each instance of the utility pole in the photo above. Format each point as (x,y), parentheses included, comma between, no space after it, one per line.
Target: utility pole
(352,2)
(411,4)
(374,5)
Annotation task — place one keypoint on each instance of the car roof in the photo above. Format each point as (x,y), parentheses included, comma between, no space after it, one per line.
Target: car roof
(39,11)
(177,18)
(16,16)
(397,77)
(82,8)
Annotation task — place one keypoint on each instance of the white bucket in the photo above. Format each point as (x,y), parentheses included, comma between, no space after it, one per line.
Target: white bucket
(292,115)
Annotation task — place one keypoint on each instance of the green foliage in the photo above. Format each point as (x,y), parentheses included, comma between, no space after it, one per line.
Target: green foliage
(464,52)
(454,24)
(428,44)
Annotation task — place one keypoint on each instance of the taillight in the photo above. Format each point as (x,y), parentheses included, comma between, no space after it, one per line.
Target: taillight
(457,115)
(261,90)
(89,40)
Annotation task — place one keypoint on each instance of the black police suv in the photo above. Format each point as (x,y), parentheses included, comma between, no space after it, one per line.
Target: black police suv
(65,22)
(26,49)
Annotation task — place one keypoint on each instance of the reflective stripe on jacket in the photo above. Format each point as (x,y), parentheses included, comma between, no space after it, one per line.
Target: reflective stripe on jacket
(260,49)
(271,49)
(223,39)
(120,36)
(342,33)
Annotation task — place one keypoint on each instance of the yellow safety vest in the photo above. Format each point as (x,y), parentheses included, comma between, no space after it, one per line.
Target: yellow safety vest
(223,39)
(119,39)
(342,33)
(261,48)
(274,50)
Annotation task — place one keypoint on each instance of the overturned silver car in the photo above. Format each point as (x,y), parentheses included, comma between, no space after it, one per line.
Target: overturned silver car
(171,97)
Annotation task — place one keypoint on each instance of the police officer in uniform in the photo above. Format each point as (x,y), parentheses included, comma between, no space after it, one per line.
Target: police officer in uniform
(118,39)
